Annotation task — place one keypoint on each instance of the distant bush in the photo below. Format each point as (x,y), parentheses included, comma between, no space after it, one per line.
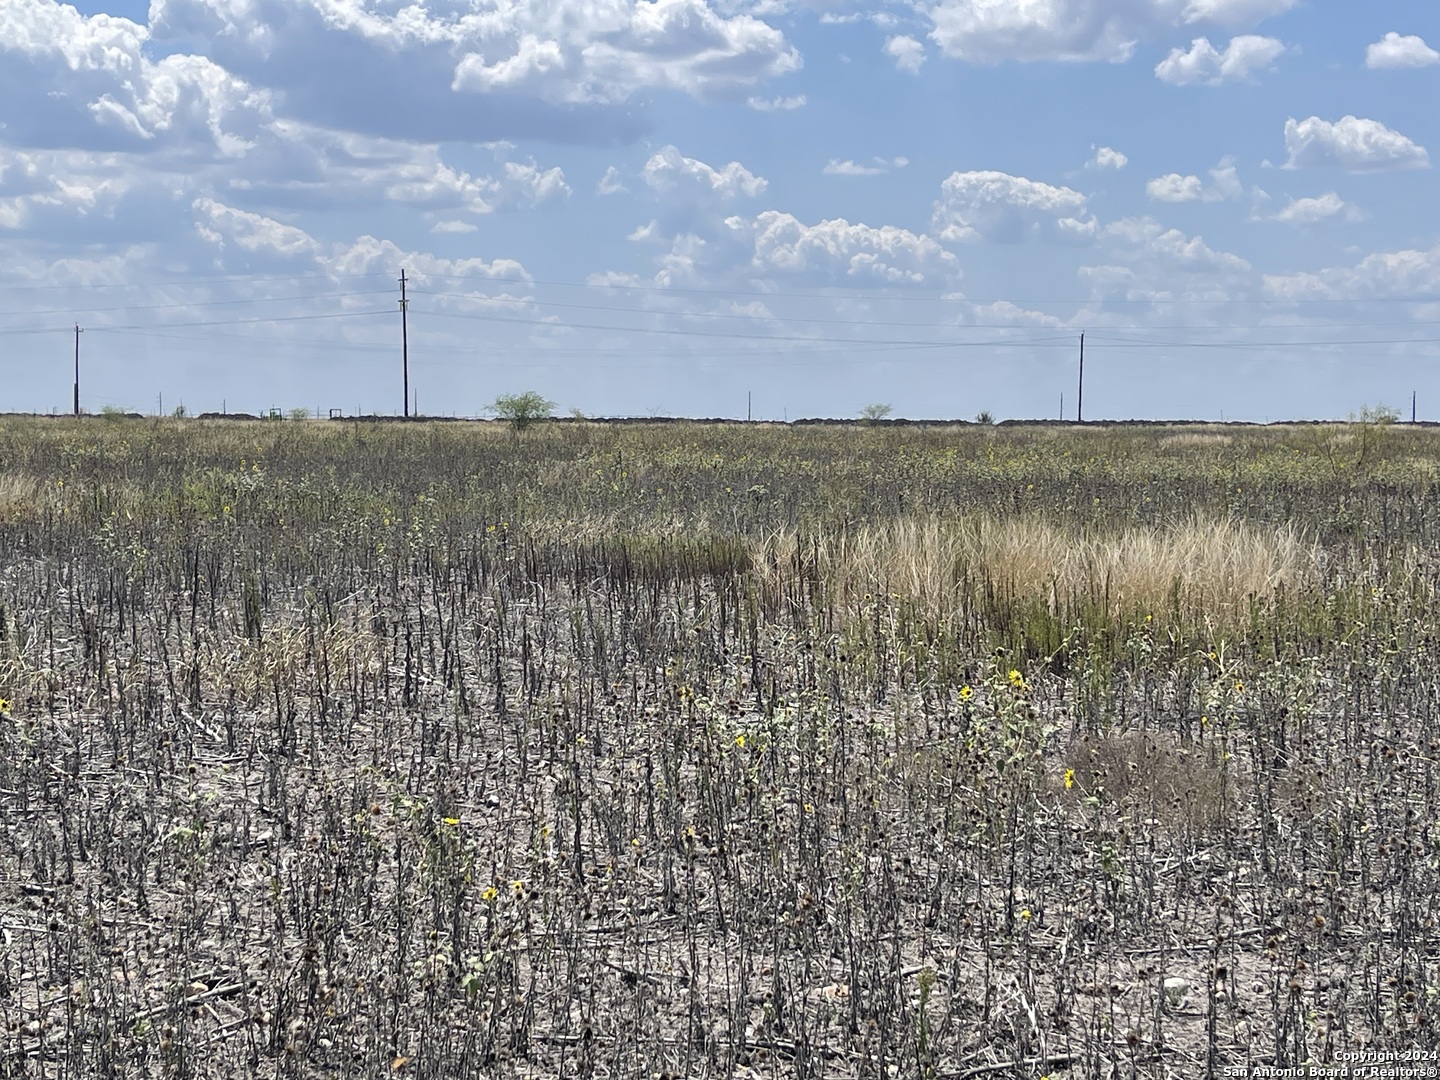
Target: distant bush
(522,410)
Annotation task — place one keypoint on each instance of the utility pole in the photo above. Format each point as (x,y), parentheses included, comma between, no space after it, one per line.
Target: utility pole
(1080,396)
(747,406)
(77,369)
(1412,406)
(405,340)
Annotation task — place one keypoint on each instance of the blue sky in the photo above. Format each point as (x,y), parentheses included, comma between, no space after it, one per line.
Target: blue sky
(663,206)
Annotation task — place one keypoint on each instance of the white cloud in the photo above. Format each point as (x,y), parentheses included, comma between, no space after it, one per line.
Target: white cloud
(778,104)
(878,165)
(668,170)
(427,181)
(1395,51)
(1147,240)
(449,70)
(629,45)
(992,31)
(254,233)
(881,19)
(1205,64)
(369,255)
(611,183)
(1226,180)
(1350,143)
(908,54)
(850,168)
(1009,209)
(453,225)
(774,244)
(1107,158)
(1321,208)
(86,82)
(1235,12)
(1383,274)
(1174,188)
(837,250)
(1006,312)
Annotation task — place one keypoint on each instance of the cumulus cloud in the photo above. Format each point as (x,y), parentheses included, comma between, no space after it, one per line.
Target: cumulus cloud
(1410,272)
(1395,51)
(992,31)
(908,54)
(1175,188)
(76,81)
(254,233)
(1203,63)
(1308,211)
(1002,208)
(1147,240)
(449,70)
(839,251)
(668,170)
(1351,143)
(1107,158)
(774,244)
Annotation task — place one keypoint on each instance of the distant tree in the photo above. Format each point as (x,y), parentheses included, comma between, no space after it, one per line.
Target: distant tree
(299,414)
(522,410)
(984,416)
(875,412)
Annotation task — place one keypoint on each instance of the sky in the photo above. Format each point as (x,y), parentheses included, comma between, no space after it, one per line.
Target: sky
(702,207)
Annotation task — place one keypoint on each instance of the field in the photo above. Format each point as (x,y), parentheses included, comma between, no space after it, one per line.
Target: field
(337,749)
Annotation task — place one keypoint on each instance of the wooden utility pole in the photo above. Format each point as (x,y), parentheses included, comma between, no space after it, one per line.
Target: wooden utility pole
(1080,396)
(405,341)
(77,369)
(1412,406)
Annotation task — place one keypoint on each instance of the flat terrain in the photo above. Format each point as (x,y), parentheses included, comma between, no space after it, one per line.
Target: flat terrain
(689,750)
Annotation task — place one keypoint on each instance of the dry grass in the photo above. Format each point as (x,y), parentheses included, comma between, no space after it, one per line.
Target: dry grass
(1195,440)
(1216,566)
(22,498)
(1171,784)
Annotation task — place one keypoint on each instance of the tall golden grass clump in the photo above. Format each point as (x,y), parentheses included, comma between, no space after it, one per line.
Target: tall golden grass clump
(1212,567)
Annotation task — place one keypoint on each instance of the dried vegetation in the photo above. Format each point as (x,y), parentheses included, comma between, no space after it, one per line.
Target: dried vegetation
(334,750)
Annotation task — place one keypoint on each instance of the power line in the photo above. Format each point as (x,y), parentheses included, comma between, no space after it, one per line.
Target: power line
(743,337)
(632,286)
(191,304)
(181,282)
(251,322)
(529,302)
(777,293)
